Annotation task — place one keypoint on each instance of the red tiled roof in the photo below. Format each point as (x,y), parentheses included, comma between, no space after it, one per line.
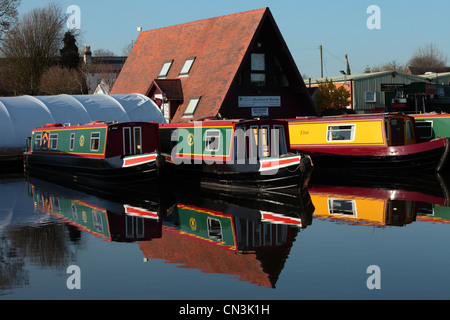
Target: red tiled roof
(219,45)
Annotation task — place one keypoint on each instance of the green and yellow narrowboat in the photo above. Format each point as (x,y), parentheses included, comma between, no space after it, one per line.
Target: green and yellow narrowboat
(98,154)
(234,155)
(371,143)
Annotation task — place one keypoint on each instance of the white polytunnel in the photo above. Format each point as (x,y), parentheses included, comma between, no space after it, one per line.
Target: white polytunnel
(19,115)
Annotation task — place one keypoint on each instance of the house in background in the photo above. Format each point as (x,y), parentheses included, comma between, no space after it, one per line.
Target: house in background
(232,66)
(101,72)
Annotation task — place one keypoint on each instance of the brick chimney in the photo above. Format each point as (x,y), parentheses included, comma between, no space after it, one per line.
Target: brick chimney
(87,54)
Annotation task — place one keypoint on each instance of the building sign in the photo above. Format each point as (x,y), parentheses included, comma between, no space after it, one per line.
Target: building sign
(259,101)
(393,87)
(260,112)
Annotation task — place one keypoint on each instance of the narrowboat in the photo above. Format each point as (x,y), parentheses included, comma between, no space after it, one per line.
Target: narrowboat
(98,154)
(106,219)
(372,144)
(234,155)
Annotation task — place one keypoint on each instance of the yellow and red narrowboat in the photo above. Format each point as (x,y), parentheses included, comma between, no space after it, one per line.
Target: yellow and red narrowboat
(97,154)
(234,154)
(372,143)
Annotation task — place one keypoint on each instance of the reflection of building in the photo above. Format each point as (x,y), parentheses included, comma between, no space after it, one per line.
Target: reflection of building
(218,237)
(233,66)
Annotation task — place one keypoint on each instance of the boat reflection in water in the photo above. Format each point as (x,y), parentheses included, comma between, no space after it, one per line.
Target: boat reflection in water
(380,204)
(106,219)
(247,238)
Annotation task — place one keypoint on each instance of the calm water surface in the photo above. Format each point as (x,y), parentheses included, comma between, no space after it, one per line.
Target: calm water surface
(179,246)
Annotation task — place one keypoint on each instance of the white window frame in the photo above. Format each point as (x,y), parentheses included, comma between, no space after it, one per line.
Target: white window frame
(53,139)
(352,132)
(165,69)
(281,139)
(331,207)
(213,133)
(72,141)
(187,66)
(136,151)
(191,107)
(37,140)
(93,139)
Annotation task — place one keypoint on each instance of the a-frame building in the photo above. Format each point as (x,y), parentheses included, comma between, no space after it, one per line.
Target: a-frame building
(232,66)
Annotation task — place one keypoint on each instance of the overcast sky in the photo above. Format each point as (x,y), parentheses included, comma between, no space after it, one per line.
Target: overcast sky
(341,27)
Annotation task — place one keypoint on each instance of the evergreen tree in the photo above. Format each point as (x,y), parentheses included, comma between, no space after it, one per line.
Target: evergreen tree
(69,53)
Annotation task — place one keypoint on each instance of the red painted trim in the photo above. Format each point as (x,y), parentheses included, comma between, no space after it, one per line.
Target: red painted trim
(279,162)
(138,160)
(140,212)
(273,218)
(373,150)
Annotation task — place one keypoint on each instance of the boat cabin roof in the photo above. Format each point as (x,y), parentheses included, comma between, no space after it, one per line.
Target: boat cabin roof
(226,122)
(92,124)
(345,117)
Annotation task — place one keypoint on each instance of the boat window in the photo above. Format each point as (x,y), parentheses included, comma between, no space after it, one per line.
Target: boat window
(53,141)
(165,69)
(342,207)
(214,229)
(95,141)
(341,133)
(386,127)
(253,143)
(425,129)
(282,147)
(126,141)
(72,141)
(187,66)
(409,132)
(37,141)
(265,142)
(137,140)
(212,140)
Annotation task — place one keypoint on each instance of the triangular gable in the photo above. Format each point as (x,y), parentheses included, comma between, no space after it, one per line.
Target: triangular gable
(221,48)
(218,45)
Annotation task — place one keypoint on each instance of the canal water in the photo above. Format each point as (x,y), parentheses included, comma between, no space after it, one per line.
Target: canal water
(352,240)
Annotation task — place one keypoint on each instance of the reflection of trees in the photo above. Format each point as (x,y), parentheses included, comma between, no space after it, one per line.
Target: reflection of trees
(45,246)
(12,273)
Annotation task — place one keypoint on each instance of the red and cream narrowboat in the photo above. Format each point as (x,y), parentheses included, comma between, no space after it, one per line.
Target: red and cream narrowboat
(371,143)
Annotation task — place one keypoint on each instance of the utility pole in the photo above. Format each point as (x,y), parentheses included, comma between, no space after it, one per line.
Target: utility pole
(321,62)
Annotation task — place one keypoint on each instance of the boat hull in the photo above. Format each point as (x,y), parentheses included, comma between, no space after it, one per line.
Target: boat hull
(242,177)
(94,172)
(399,160)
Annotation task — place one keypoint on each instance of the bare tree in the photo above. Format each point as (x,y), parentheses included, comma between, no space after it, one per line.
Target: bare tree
(60,80)
(31,46)
(8,15)
(428,56)
(389,66)
(103,53)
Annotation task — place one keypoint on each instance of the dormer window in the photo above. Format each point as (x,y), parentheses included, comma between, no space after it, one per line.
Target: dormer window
(187,67)
(165,69)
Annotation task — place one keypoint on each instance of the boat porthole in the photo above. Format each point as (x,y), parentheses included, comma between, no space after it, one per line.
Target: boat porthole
(193,224)
(190,139)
